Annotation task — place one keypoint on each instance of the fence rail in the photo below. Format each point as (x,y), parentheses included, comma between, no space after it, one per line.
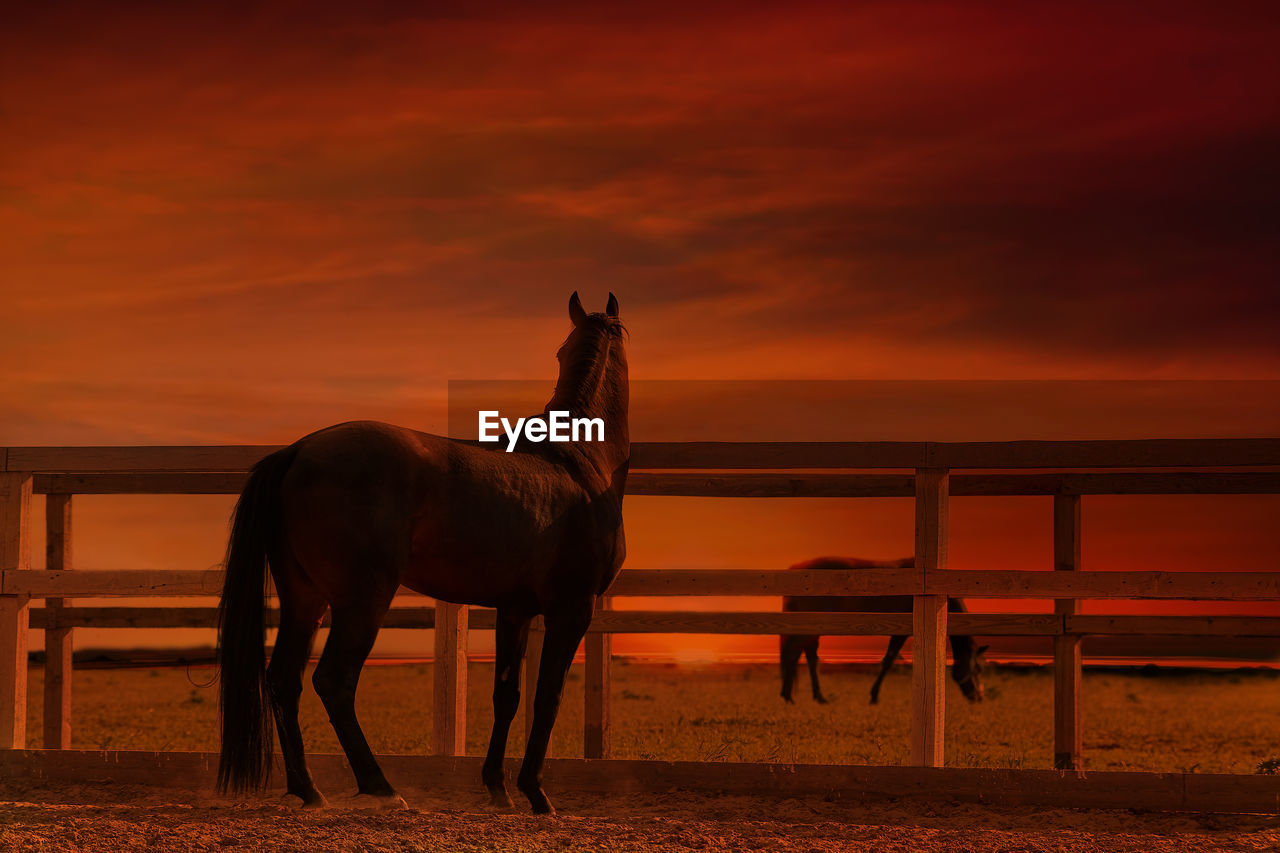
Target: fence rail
(1134,453)
(809,485)
(724,622)
(703,469)
(1222,586)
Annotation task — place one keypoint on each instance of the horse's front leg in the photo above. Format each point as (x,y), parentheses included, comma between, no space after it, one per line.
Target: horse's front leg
(791,648)
(565,628)
(510,638)
(890,655)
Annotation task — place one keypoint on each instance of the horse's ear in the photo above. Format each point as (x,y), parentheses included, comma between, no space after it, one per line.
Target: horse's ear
(576,312)
(612,308)
(981,649)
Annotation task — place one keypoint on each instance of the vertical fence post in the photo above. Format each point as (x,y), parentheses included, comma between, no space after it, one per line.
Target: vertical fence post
(1067,736)
(929,635)
(15,610)
(449,727)
(532,659)
(58,641)
(595,717)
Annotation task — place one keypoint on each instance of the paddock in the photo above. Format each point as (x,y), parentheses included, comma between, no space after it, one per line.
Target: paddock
(928,472)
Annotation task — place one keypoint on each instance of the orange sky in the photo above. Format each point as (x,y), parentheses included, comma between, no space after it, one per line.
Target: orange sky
(229,226)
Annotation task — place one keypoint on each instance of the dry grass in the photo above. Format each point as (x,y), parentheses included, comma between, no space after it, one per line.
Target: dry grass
(1210,722)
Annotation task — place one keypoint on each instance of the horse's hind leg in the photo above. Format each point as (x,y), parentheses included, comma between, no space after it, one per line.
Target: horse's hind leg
(811,656)
(301,608)
(354,628)
(890,655)
(565,629)
(510,637)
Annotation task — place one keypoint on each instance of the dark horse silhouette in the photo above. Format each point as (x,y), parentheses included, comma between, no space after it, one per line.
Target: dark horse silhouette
(966,670)
(347,515)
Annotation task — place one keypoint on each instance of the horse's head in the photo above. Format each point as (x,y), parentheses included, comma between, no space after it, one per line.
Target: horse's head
(590,327)
(967,670)
(593,379)
(593,357)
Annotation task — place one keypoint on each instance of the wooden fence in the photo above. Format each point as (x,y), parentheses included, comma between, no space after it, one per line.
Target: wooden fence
(706,469)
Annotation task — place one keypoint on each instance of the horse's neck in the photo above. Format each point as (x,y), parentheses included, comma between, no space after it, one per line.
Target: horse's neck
(604,396)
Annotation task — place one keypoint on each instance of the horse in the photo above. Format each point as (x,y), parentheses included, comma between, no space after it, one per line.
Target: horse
(966,670)
(345,516)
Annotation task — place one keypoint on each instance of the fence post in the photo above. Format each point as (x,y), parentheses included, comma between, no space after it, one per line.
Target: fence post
(532,659)
(595,717)
(58,641)
(449,727)
(1066,647)
(15,610)
(929,622)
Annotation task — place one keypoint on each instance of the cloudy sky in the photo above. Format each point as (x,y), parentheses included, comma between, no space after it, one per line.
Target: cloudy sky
(232,225)
(221,224)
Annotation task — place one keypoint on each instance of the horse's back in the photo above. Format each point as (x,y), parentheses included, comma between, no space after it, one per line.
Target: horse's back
(347,500)
(374,465)
(446,518)
(849,603)
(853,563)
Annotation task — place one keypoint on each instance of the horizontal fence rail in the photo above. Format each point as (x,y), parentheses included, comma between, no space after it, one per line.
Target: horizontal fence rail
(1222,586)
(748,485)
(724,622)
(1136,453)
(930,473)
(1193,792)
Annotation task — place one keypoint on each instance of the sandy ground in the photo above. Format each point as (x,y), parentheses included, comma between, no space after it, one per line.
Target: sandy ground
(121,818)
(1219,721)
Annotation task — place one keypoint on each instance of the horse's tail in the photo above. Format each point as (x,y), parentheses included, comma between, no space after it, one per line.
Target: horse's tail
(246,703)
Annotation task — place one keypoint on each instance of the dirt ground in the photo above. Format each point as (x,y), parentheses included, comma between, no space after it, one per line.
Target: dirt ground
(1198,723)
(102,818)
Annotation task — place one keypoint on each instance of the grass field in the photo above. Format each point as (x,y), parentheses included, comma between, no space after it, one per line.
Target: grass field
(1202,722)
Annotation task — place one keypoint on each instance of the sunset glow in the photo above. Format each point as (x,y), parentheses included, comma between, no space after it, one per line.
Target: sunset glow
(230,227)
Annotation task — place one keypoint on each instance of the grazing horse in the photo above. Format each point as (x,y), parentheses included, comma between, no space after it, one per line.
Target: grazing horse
(967,669)
(347,515)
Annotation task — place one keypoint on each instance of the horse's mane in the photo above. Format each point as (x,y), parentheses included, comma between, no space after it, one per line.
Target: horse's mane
(612,325)
(583,358)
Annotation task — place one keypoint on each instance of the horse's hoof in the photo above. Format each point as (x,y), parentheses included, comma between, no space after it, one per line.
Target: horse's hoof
(315,802)
(821,700)
(538,800)
(499,799)
(312,800)
(378,802)
(788,700)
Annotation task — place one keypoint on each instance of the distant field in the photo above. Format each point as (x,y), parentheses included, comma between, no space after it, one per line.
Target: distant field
(1204,722)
